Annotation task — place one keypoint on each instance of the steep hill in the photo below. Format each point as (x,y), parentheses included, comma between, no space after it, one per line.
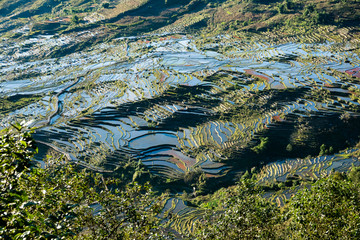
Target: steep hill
(111,19)
(124,18)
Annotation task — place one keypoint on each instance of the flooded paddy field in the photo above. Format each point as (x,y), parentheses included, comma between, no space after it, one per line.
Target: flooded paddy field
(185,105)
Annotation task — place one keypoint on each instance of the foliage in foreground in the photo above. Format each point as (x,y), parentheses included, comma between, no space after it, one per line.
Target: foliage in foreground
(327,209)
(245,215)
(62,202)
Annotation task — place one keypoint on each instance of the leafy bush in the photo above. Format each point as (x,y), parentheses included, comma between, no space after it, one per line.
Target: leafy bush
(106,5)
(327,209)
(330,209)
(262,145)
(75,19)
(245,215)
(61,201)
(16,150)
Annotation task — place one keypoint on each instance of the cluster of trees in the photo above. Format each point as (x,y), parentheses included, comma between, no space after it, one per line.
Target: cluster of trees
(60,201)
(326,209)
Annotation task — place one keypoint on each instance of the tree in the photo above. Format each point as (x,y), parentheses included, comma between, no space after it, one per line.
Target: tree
(262,145)
(289,147)
(330,209)
(281,8)
(106,5)
(16,150)
(61,201)
(75,19)
(327,209)
(245,215)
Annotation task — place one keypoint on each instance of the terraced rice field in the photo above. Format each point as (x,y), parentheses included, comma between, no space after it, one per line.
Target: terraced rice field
(182,104)
(307,169)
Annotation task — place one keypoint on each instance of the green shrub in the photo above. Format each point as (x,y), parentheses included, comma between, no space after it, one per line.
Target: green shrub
(75,19)
(354,175)
(246,215)
(62,202)
(330,209)
(106,5)
(262,145)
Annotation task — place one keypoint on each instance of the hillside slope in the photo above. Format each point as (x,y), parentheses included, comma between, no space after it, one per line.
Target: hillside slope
(141,16)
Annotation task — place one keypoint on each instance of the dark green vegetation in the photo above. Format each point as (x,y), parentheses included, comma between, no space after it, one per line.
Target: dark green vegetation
(61,202)
(327,209)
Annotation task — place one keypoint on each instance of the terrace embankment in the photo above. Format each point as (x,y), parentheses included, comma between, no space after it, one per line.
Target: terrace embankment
(189,109)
